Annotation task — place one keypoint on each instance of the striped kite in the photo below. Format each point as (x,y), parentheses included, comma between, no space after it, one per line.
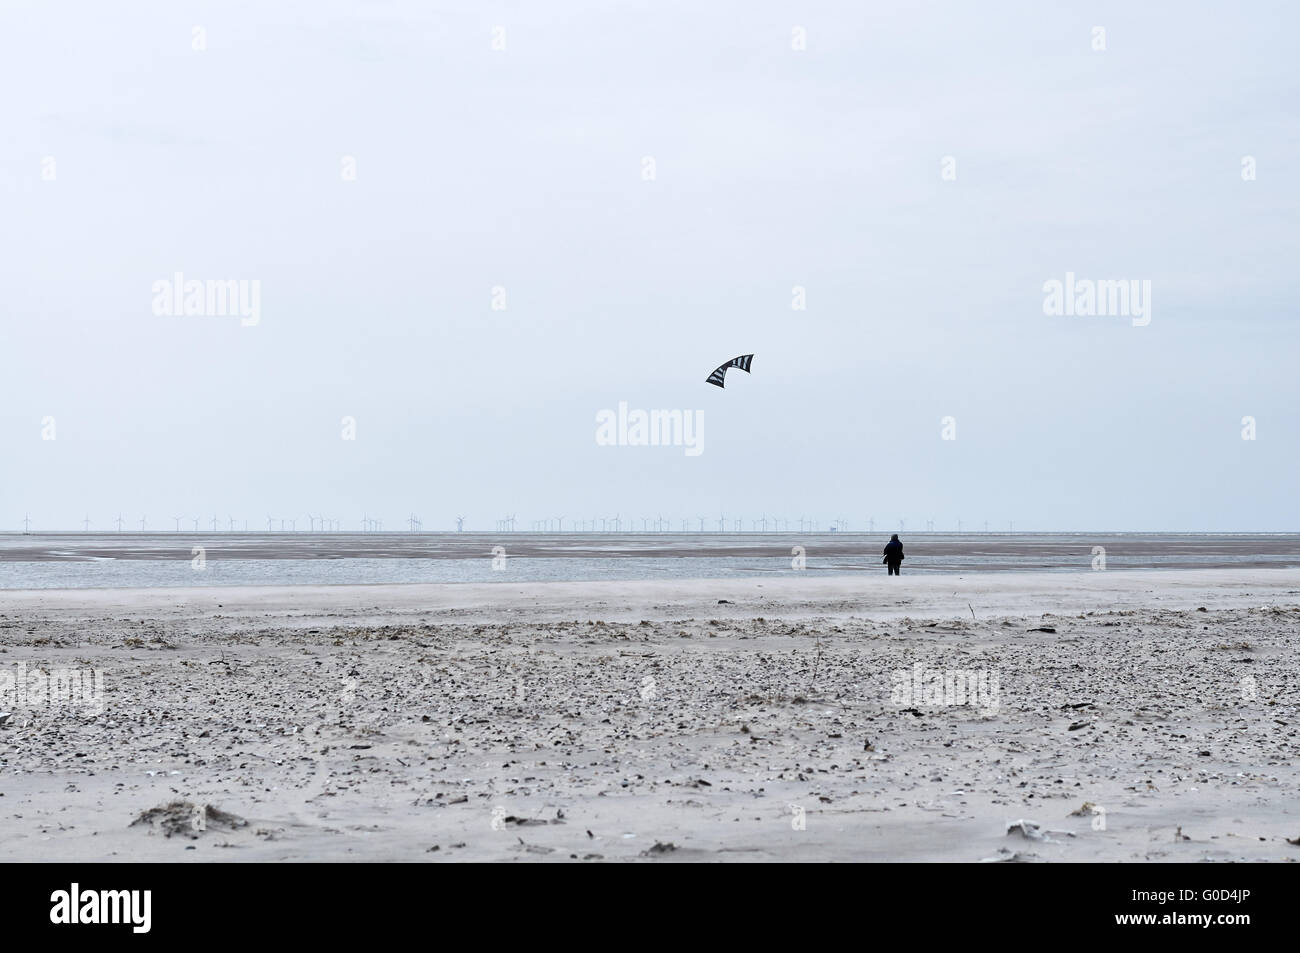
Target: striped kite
(720,375)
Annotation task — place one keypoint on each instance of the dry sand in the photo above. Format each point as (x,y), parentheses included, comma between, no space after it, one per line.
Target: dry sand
(607,721)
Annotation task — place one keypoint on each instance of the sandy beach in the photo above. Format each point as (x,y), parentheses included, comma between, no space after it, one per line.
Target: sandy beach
(1146,715)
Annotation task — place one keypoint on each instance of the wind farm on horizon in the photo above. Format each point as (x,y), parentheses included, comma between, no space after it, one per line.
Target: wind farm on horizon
(413,523)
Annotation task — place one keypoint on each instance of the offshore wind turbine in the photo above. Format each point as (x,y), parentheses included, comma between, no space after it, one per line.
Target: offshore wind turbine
(26,524)
(196,523)
(460,524)
(85,524)
(142,524)
(119,522)
(178,523)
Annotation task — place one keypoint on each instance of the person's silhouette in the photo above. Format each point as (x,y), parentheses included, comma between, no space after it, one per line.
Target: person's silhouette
(893,555)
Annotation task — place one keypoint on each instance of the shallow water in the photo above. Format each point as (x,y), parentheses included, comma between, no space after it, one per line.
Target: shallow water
(129,560)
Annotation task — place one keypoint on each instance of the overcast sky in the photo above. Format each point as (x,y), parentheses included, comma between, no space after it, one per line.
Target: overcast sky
(127,155)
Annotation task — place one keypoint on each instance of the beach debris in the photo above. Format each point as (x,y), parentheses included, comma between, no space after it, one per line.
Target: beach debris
(1078,725)
(724,602)
(1005,856)
(1179,835)
(188,818)
(1031,831)
(1042,628)
(4,717)
(1087,809)
(1295,842)
(659,848)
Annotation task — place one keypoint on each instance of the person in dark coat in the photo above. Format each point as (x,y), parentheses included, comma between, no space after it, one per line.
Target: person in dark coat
(893,555)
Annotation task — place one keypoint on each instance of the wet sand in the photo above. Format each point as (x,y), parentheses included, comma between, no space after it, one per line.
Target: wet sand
(720,720)
(996,550)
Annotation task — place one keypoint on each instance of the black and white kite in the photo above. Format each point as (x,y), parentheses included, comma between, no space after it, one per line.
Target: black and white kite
(720,375)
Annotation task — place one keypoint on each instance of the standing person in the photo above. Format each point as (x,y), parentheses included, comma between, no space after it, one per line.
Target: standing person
(893,555)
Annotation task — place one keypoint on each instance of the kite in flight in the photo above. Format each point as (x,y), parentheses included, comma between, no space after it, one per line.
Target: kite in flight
(720,375)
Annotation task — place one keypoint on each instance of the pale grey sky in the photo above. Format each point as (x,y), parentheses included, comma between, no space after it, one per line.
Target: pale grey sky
(522,168)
